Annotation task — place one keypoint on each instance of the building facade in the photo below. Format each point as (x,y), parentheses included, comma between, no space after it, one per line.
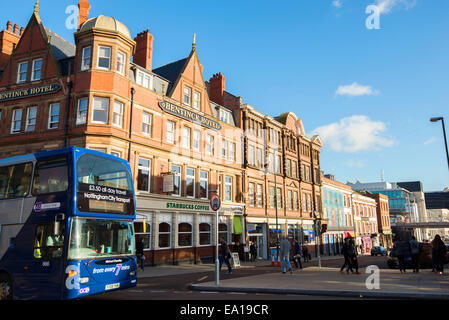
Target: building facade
(336,199)
(365,222)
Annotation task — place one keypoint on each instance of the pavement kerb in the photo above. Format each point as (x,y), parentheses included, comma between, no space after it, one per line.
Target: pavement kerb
(333,293)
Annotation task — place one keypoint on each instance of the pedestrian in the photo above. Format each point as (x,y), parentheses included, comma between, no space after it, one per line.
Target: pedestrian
(402,252)
(415,251)
(253,251)
(225,255)
(345,252)
(439,252)
(284,254)
(140,254)
(305,253)
(354,263)
(297,254)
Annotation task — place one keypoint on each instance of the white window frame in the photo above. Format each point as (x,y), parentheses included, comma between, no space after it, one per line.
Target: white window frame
(121,110)
(23,72)
(14,121)
(147,127)
(51,122)
(104,57)
(188,95)
(232,155)
(186,137)
(259,195)
(170,134)
(121,62)
(196,100)
(192,177)
(148,170)
(224,149)
(170,240)
(107,111)
(86,59)
(228,184)
(184,232)
(31,121)
(206,181)
(205,232)
(79,112)
(177,176)
(252,194)
(210,144)
(196,140)
(34,70)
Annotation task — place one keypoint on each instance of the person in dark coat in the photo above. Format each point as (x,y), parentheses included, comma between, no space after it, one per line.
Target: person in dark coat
(402,252)
(439,253)
(305,253)
(253,251)
(345,252)
(225,255)
(354,262)
(297,254)
(140,245)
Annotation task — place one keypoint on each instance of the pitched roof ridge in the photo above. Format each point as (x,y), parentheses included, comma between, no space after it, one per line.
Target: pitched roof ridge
(47,29)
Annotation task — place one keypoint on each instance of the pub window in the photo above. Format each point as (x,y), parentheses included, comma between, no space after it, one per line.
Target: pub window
(205,234)
(187,96)
(16,121)
(186,137)
(143,177)
(117,114)
(86,58)
(81,112)
(185,234)
(164,235)
(53,116)
(204,185)
(100,113)
(147,121)
(31,119)
(22,72)
(142,230)
(36,70)
(190,182)
(104,58)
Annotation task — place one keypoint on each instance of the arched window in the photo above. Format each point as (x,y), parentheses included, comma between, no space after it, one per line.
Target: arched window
(205,234)
(164,235)
(184,234)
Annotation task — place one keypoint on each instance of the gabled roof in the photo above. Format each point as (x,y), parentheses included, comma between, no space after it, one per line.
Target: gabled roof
(171,71)
(62,49)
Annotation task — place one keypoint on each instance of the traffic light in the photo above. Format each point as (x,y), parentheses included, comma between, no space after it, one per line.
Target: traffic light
(323,228)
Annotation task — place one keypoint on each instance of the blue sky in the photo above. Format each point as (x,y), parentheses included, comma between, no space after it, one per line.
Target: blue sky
(368,92)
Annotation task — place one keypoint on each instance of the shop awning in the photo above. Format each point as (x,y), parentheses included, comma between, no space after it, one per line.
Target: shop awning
(238,229)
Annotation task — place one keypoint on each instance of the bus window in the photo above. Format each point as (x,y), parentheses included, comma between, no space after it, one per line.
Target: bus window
(46,244)
(15,180)
(50,177)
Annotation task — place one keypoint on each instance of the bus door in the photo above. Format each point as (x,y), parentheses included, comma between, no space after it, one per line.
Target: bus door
(46,275)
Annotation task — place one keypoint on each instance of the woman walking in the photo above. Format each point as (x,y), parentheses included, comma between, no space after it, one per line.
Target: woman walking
(438,253)
(345,252)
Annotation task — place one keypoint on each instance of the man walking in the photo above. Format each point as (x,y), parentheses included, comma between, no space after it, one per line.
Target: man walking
(284,254)
(225,255)
(345,252)
(414,248)
(297,254)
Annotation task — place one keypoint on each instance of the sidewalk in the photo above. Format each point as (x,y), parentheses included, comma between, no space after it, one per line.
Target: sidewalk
(330,282)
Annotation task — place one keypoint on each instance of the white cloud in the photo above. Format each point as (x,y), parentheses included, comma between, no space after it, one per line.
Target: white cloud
(429,141)
(386,6)
(353,134)
(351,163)
(337,3)
(356,89)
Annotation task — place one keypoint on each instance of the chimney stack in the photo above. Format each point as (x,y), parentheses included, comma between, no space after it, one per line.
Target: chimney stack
(217,87)
(144,50)
(84,8)
(16,29)
(9,26)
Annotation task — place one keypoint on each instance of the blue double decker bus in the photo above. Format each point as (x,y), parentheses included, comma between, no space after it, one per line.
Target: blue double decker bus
(66,225)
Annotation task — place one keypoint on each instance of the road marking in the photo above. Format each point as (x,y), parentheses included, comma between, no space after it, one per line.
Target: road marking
(201,279)
(158,291)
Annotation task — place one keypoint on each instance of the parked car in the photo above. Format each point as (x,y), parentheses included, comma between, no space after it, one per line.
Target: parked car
(425,257)
(379,250)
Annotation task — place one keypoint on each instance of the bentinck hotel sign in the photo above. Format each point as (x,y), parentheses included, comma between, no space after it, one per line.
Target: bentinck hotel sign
(189,115)
(29,92)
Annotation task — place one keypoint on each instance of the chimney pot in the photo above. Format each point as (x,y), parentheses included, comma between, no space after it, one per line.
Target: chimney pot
(144,50)
(9,26)
(16,29)
(84,8)
(22,30)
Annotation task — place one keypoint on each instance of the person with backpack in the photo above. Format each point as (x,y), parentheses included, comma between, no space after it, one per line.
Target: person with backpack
(415,251)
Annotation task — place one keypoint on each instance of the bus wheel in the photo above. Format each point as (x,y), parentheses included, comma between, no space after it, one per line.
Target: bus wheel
(5,287)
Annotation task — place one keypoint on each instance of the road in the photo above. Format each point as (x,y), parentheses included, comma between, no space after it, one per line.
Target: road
(176,287)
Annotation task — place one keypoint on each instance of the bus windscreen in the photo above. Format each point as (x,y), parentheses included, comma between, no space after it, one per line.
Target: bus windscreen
(104,186)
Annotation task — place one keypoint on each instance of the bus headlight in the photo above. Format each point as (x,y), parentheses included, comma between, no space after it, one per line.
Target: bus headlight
(84,280)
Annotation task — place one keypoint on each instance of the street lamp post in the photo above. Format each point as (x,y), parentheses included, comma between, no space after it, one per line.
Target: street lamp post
(436,119)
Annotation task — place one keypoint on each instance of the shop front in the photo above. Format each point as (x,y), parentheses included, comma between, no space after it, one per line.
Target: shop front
(257,234)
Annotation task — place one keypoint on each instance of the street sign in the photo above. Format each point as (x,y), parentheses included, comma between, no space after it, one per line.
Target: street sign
(215,202)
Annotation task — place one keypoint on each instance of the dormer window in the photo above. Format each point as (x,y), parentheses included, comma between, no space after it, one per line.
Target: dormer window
(104,58)
(37,70)
(187,96)
(225,116)
(86,59)
(22,72)
(197,100)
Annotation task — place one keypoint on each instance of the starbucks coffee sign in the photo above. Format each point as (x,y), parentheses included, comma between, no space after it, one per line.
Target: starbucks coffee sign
(29,92)
(189,115)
